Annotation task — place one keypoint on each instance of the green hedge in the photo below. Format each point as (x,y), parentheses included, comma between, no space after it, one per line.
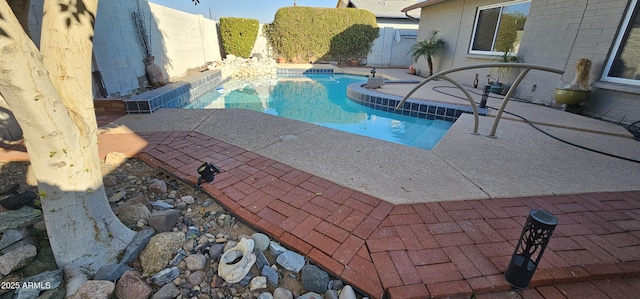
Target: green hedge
(301,34)
(238,35)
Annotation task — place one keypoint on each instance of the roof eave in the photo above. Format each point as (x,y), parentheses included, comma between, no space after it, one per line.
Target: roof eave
(421,5)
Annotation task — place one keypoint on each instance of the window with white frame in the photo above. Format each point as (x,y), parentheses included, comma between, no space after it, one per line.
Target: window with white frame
(623,65)
(498,28)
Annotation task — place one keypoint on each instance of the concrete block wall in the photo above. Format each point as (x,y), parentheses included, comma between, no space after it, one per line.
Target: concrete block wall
(180,42)
(385,51)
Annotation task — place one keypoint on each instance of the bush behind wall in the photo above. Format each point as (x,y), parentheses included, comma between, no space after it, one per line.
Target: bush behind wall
(238,35)
(303,34)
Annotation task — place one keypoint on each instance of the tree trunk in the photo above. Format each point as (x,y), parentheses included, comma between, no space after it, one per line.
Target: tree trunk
(50,96)
(430,63)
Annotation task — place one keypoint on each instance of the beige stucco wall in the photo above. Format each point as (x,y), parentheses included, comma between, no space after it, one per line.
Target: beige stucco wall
(557,34)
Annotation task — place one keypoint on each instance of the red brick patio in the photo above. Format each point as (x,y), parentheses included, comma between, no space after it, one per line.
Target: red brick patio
(444,249)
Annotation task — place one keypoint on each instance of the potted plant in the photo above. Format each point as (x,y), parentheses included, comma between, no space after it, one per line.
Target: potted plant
(429,48)
(506,56)
(578,91)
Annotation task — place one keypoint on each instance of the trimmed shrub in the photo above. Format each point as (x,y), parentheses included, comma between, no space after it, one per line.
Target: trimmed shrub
(301,34)
(238,35)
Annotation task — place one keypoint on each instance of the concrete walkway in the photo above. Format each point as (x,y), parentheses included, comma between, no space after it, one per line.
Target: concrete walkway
(407,223)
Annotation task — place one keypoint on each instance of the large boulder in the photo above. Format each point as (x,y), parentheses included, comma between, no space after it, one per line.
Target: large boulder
(160,250)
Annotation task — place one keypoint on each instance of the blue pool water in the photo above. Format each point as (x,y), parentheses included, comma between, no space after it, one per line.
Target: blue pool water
(321,99)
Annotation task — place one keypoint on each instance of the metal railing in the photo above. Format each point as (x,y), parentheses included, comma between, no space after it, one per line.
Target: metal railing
(525,68)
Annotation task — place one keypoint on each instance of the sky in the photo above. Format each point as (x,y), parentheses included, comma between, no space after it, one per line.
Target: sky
(262,10)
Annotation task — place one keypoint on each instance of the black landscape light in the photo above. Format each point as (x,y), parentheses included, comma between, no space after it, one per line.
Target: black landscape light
(533,240)
(206,172)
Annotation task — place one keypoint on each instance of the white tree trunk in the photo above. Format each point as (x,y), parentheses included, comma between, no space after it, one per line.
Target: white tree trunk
(50,96)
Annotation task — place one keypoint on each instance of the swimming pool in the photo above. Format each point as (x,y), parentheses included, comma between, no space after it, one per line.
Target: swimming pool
(321,99)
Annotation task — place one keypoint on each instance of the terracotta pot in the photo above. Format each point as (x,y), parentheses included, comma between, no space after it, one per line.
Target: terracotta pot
(355,62)
(282,60)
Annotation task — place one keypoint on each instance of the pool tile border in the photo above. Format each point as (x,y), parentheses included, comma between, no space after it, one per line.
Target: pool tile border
(419,108)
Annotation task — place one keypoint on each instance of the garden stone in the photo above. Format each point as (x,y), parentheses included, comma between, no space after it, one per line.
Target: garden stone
(193,232)
(188,199)
(49,279)
(265,295)
(178,258)
(310,295)
(258,283)
(20,218)
(196,277)
(160,205)
(168,291)
(271,275)
(12,236)
(276,249)
(95,289)
(139,242)
(165,220)
(159,251)
(282,293)
(314,279)
(262,241)
(215,251)
(130,215)
(117,197)
(131,286)
(246,280)
(195,262)
(261,260)
(331,294)
(347,293)
(111,272)
(157,186)
(165,276)
(114,159)
(17,258)
(291,261)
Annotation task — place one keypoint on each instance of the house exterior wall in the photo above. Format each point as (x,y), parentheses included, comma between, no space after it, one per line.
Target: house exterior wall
(180,41)
(557,34)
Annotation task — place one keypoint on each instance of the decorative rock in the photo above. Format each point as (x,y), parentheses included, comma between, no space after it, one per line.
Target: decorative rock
(282,293)
(276,249)
(157,186)
(261,260)
(136,245)
(331,294)
(215,251)
(130,215)
(188,199)
(314,279)
(23,217)
(265,295)
(131,286)
(159,251)
(181,206)
(258,283)
(196,277)
(336,284)
(262,241)
(168,291)
(310,295)
(165,276)
(164,221)
(271,275)
(109,181)
(43,281)
(118,196)
(95,289)
(111,272)
(347,293)
(160,205)
(246,280)
(16,258)
(12,236)
(234,272)
(195,262)
(114,159)
(291,261)
(178,258)
(193,232)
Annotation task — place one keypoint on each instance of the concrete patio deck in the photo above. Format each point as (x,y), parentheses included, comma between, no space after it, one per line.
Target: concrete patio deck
(400,222)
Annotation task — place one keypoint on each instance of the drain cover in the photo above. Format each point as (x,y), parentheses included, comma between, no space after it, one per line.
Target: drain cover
(288,137)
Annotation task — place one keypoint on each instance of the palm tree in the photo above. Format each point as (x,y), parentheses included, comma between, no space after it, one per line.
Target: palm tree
(429,47)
